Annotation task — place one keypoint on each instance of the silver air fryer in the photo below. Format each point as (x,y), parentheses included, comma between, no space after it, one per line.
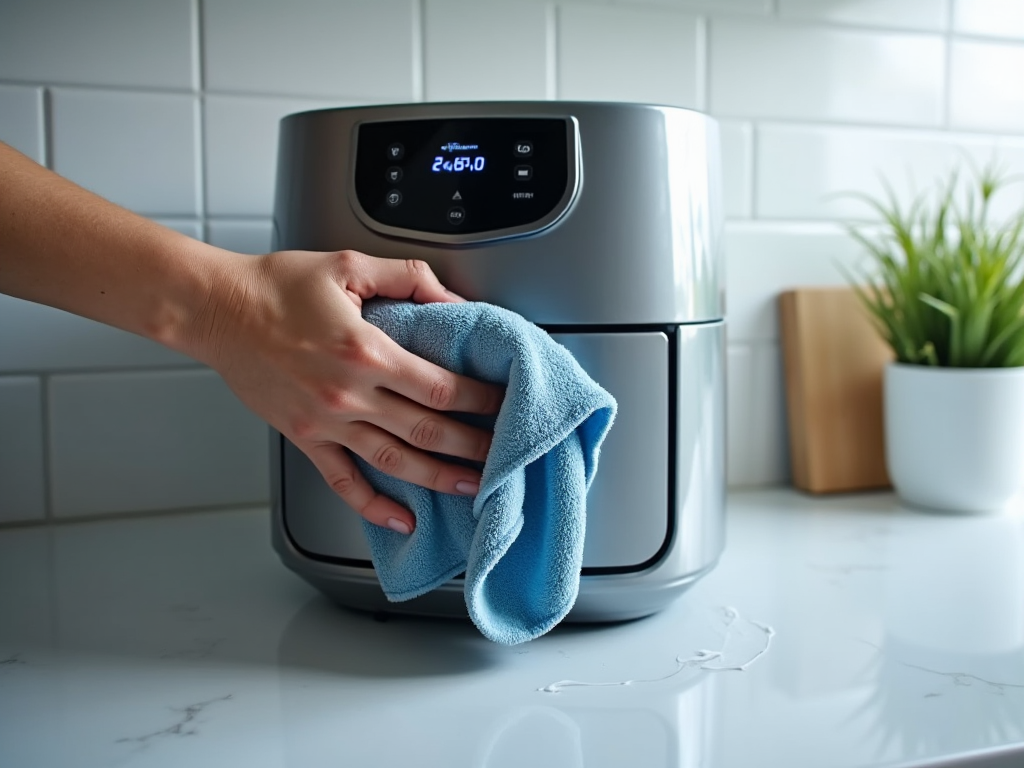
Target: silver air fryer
(599,222)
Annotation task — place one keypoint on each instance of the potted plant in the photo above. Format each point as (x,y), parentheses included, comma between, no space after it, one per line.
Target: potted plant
(947,294)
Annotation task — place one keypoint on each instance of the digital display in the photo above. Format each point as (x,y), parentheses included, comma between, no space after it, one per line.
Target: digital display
(462,175)
(457,163)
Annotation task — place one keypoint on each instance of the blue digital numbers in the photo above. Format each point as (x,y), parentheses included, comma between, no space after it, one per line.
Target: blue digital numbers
(458,164)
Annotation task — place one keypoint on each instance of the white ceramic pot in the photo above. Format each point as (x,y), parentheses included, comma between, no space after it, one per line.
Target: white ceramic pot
(954,437)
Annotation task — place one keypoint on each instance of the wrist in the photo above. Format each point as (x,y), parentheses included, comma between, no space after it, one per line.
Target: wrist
(196,308)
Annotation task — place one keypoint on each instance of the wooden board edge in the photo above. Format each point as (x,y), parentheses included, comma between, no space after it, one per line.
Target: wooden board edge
(792,366)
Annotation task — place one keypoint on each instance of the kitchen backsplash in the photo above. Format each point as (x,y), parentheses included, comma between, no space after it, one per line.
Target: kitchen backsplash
(170,107)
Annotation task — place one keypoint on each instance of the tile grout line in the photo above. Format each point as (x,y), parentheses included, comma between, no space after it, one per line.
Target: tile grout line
(199,84)
(703,64)
(419,50)
(47,127)
(137,514)
(739,457)
(154,90)
(107,370)
(840,125)
(947,63)
(551,52)
(41,131)
(755,130)
(47,440)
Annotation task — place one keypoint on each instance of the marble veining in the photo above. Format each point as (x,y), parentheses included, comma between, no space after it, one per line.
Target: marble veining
(187,724)
(962,679)
(966,679)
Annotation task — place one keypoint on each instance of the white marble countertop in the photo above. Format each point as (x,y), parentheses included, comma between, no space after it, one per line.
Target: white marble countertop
(182,641)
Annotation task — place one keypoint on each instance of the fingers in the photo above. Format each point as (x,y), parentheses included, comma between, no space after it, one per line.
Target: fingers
(392,278)
(441,390)
(348,482)
(430,431)
(394,457)
(390,455)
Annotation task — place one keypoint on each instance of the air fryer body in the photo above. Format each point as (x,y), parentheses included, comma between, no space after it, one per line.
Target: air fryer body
(599,222)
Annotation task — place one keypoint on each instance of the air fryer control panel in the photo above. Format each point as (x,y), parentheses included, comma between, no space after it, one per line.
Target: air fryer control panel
(464,180)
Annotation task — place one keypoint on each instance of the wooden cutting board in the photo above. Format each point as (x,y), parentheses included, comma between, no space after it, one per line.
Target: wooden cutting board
(834,359)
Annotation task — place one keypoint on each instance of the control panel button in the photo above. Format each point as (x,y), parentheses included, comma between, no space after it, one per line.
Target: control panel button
(524,172)
(394,198)
(456,215)
(394,174)
(523,148)
(396,151)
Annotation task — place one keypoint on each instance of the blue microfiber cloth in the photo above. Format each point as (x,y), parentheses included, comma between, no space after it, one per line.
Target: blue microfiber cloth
(520,540)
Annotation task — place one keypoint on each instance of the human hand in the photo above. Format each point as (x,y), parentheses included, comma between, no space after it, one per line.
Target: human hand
(283,330)
(286,334)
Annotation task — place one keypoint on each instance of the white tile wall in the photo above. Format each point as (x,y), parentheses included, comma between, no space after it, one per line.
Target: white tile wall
(171,107)
(754,7)
(807,172)
(132,43)
(252,237)
(808,72)
(484,51)
(22,487)
(766,431)
(630,54)
(241,151)
(124,442)
(37,338)
(21,120)
(191,227)
(998,18)
(106,141)
(756,416)
(739,409)
(764,259)
(930,15)
(737,168)
(985,91)
(339,48)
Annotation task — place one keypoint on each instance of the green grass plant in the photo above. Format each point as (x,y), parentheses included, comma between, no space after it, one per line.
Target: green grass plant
(946,288)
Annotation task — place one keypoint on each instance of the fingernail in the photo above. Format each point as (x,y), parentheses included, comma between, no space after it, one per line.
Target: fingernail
(454,295)
(468,488)
(399,525)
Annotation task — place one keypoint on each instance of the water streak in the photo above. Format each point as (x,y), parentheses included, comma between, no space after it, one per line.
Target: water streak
(702,660)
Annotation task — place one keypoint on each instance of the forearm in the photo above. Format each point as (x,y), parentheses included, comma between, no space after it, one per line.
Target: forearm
(63,246)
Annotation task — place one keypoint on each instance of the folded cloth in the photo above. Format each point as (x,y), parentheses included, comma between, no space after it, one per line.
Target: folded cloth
(520,540)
